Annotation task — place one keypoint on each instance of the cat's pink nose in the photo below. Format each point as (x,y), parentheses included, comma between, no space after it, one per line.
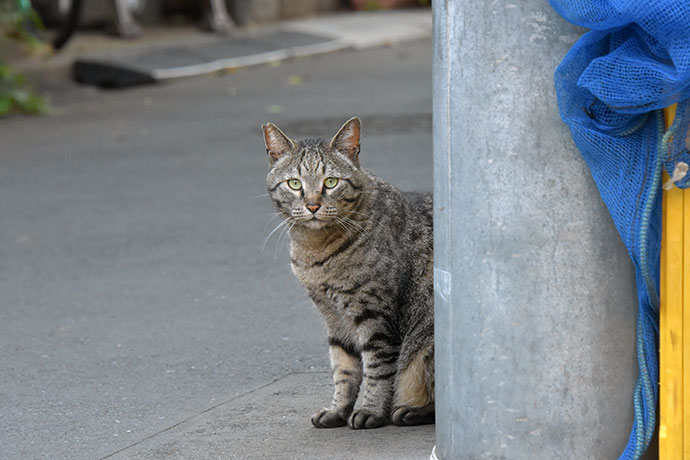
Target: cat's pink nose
(313,207)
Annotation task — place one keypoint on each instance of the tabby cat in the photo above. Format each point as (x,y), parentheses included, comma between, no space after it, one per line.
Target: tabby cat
(364,252)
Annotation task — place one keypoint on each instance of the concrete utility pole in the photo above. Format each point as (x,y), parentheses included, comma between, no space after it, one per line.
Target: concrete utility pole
(535,293)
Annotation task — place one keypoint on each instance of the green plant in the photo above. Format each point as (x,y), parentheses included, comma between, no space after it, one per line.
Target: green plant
(15,94)
(17,20)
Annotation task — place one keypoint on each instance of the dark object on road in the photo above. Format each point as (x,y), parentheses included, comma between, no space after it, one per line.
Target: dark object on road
(109,76)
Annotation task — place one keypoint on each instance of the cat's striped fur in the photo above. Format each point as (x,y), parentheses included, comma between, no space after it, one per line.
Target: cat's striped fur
(364,252)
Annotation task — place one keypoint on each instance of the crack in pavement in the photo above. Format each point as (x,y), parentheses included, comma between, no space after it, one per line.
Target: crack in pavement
(207,410)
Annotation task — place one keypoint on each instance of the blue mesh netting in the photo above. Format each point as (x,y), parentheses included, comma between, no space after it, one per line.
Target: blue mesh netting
(633,62)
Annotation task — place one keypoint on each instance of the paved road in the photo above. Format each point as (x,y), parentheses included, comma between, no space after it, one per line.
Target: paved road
(134,292)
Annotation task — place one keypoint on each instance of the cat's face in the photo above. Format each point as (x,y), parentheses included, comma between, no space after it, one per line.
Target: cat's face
(315,183)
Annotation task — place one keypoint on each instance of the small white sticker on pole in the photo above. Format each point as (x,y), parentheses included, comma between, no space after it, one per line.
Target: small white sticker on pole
(442,283)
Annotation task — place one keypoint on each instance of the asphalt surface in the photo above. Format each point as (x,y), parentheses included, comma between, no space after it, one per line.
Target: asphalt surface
(136,301)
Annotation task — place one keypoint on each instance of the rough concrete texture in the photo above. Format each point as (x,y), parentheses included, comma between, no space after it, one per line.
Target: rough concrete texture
(135,294)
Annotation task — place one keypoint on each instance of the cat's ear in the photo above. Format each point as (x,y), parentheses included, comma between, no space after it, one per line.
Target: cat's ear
(347,139)
(277,143)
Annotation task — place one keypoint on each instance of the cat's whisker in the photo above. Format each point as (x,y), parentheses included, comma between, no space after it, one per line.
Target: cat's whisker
(273,216)
(287,234)
(262,195)
(358,213)
(342,225)
(281,224)
(281,238)
(354,222)
(355,225)
(275,248)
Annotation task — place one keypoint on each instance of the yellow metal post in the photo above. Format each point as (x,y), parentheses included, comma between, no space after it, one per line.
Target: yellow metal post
(674,393)
(686,325)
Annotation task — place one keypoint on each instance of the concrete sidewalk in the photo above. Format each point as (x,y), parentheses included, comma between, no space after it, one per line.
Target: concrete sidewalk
(269,423)
(139,316)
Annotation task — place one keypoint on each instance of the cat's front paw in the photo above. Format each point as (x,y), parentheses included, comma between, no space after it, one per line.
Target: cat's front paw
(328,418)
(364,419)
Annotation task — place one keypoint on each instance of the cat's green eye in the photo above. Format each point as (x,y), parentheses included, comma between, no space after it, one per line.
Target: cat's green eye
(294,184)
(330,182)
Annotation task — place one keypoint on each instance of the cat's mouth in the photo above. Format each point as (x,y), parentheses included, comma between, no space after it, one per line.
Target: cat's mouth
(314,222)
